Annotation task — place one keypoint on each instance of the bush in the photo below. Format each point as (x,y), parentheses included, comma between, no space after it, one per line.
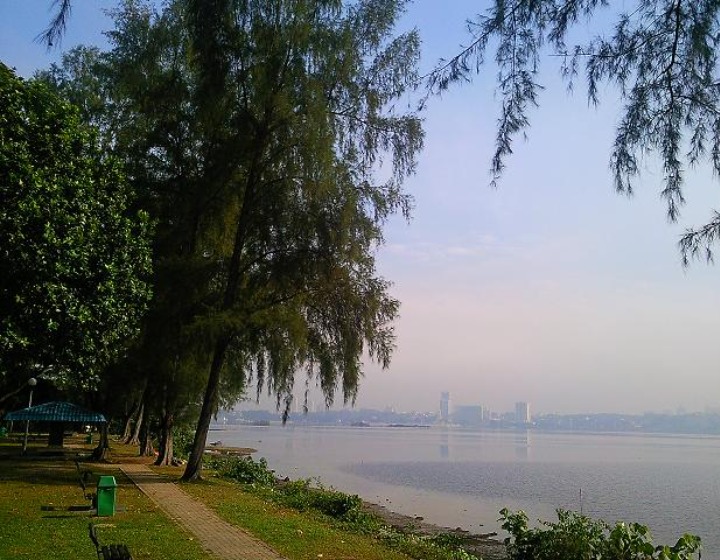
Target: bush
(244,470)
(581,538)
(300,495)
(182,441)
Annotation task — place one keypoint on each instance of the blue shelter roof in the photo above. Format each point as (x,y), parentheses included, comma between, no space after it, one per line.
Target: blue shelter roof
(56,412)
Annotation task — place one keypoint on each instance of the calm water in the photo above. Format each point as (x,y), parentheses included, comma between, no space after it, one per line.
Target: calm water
(463,478)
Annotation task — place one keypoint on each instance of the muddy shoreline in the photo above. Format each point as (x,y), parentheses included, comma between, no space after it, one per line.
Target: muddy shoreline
(485,545)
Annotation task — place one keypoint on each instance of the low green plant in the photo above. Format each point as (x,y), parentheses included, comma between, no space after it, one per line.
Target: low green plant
(582,538)
(302,496)
(244,470)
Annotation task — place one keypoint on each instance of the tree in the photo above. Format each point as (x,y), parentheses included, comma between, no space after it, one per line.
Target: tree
(297,98)
(74,255)
(263,138)
(139,96)
(661,58)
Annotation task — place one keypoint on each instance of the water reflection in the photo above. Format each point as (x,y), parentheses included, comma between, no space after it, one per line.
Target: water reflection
(444,445)
(523,445)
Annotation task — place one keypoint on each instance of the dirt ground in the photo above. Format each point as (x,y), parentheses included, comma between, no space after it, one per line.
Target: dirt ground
(483,545)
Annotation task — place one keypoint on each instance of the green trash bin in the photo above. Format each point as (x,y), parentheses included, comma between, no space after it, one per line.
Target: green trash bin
(106,488)
(3,431)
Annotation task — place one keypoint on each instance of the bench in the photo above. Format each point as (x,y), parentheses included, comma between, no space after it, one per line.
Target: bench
(83,476)
(109,551)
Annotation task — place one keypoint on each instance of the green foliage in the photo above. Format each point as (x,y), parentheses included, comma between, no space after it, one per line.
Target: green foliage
(298,494)
(74,255)
(266,141)
(582,538)
(244,470)
(660,57)
(182,440)
(302,496)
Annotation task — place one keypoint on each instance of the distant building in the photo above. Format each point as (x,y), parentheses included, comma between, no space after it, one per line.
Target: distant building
(522,413)
(444,406)
(472,415)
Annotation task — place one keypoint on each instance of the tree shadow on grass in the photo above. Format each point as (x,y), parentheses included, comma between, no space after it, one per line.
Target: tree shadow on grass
(54,471)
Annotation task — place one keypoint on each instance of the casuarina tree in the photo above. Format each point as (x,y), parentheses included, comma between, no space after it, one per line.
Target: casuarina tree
(658,57)
(303,103)
(269,142)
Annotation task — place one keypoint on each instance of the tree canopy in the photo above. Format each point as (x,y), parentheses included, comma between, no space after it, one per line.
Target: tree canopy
(298,99)
(74,255)
(659,56)
(266,139)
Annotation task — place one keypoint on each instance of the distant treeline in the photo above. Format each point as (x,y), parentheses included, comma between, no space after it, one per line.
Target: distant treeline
(690,423)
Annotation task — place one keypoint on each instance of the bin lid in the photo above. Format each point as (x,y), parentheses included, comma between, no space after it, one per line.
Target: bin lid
(106,482)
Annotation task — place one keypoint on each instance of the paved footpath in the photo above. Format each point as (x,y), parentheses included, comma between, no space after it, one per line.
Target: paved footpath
(216,536)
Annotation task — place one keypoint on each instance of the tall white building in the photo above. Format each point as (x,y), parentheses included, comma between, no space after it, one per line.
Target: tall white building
(522,413)
(444,406)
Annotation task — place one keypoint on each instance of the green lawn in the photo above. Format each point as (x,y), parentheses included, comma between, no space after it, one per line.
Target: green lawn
(29,488)
(298,536)
(35,522)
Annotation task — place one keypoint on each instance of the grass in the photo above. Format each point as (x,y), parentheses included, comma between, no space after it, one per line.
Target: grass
(36,492)
(30,486)
(298,536)
(329,520)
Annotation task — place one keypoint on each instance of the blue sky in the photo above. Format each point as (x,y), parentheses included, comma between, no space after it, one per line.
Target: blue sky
(551,288)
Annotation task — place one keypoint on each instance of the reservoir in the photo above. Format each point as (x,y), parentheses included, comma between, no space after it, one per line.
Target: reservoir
(460,478)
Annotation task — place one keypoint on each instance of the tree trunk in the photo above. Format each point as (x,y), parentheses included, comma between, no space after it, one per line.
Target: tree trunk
(193,470)
(132,417)
(135,439)
(100,452)
(127,431)
(166,453)
(146,446)
(56,435)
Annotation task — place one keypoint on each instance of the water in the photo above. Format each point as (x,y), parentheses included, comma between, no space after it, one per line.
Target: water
(462,478)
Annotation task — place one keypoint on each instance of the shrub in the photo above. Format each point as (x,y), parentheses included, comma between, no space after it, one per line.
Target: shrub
(182,441)
(581,538)
(244,470)
(301,495)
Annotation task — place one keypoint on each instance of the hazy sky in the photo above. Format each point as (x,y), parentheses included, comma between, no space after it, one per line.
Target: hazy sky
(551,288)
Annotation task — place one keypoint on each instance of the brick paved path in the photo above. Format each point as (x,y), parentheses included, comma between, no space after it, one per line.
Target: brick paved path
(218,537)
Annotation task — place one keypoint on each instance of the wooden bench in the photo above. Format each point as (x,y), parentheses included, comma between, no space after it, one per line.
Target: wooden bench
(109,551)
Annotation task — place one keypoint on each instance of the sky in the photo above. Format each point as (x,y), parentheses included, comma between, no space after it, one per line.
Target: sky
(550,288)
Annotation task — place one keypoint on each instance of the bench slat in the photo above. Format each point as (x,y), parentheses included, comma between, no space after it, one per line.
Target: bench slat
(109,551)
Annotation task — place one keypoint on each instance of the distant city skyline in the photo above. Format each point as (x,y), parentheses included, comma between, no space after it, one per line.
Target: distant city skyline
(455,405)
